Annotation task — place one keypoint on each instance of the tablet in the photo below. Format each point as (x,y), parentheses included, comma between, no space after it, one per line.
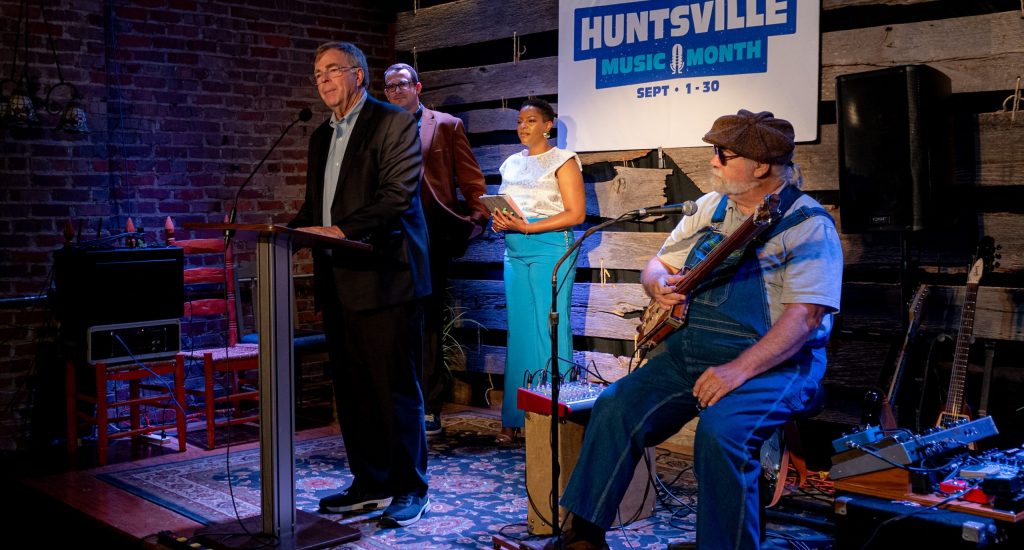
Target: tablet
(503,203)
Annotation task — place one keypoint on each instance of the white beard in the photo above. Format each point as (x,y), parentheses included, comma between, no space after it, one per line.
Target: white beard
(729,187)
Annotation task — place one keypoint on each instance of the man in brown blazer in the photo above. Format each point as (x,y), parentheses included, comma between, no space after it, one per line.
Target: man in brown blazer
(448,163)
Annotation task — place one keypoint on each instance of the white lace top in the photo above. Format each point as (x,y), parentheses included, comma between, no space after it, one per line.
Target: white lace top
(532,183)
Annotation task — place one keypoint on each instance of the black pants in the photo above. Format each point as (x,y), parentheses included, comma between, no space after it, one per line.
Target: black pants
(376,362)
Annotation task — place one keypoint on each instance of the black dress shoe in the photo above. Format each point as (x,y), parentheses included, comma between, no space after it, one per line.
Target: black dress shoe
(351,500)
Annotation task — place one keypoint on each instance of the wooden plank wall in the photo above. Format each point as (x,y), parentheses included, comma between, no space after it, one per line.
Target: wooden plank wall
(464,51)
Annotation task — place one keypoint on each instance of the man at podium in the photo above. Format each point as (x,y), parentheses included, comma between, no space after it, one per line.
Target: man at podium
(362,184)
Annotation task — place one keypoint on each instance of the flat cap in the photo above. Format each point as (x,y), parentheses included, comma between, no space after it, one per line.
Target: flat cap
(756,136)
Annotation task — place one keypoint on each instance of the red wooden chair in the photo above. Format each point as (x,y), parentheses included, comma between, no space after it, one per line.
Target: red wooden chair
(141,377)
(233,367)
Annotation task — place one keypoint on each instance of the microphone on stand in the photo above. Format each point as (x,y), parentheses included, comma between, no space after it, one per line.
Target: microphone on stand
(687,208)
(304,116)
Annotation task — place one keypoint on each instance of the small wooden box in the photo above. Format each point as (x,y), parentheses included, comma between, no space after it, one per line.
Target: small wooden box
(638,503)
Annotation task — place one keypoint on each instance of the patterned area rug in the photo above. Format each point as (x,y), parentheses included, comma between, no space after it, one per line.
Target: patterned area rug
(477,490)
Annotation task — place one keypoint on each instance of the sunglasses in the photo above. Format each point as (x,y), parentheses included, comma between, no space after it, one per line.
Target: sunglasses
(722,157)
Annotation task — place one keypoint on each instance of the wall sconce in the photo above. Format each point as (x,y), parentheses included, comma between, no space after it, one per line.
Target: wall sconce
(16,106)
(18,110)
(72,115)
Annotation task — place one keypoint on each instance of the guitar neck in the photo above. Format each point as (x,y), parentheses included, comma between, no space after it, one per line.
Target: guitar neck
(748,230)
(957,377)
(901,359)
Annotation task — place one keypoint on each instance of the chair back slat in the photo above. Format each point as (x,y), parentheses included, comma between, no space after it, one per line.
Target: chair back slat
(204,275)
(206,307)
(197,275)
(201,246)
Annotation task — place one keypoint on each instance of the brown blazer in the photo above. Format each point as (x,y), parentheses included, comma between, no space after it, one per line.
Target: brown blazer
(448,162)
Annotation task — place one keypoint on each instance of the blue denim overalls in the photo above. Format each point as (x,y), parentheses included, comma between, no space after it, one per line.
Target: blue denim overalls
(728,313)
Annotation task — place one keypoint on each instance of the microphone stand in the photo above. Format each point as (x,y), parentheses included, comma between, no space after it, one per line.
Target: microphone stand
(304,115)
(556,526)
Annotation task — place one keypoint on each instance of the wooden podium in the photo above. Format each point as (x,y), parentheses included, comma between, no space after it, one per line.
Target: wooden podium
(280,524)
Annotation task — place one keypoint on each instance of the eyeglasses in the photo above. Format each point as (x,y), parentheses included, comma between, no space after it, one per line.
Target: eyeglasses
(331,73)
(722,157)
(403,85)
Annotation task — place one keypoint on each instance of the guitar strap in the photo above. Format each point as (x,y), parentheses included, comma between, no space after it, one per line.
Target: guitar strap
(787,197)
(713,236)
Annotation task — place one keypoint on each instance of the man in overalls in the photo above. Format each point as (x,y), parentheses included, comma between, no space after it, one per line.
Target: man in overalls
(750,355)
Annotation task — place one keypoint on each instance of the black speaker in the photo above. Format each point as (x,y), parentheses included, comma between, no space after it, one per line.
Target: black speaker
(895,147)
(104,286)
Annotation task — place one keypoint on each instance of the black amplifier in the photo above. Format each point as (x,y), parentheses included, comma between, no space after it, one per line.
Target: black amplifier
(864,522)
(133,341)
(116,286)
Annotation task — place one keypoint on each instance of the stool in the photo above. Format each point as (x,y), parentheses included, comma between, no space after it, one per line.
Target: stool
(140,378)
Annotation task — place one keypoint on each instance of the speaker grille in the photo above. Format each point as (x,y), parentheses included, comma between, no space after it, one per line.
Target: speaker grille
(894,147)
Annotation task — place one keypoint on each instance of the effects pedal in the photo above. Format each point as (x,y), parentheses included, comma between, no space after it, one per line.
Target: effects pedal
(974,495)
(867,436)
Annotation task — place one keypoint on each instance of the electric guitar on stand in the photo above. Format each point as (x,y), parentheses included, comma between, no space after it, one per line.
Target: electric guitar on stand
(956,409)
(887,419)
(658,322)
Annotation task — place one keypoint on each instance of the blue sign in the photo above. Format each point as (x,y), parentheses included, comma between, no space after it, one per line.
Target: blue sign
(659,40)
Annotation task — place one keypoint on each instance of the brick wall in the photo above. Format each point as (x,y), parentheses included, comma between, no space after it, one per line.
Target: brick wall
(183,99)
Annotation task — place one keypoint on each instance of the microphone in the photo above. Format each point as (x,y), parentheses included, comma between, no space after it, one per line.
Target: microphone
(687,208)
(304,116)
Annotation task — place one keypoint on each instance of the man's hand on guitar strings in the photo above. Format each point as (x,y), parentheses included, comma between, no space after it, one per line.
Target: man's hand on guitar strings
(665,292)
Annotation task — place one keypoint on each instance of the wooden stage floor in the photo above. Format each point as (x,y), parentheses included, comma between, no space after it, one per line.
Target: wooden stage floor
(48,502)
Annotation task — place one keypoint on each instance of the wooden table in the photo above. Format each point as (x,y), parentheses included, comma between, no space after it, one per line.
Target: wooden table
(894,484)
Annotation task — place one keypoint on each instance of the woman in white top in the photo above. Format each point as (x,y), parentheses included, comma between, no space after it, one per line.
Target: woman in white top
(548,189)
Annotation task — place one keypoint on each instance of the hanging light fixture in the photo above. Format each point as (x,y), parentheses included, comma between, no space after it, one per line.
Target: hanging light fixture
(21,112)
(17,108)
(72,115)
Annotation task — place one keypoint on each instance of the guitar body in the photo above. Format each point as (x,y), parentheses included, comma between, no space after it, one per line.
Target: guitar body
(778,453)
(884,410)
(774,468)
(948,420)
(661,321)
(956,409)
(887,417)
